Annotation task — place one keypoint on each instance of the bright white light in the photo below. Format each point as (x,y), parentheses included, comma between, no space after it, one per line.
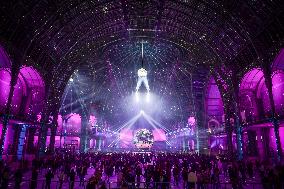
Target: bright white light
(142,72)
(71,79)
(148,97)
(137,96)
(142,112)
(142,79)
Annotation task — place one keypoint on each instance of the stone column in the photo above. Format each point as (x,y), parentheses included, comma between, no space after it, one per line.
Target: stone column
(268,83)
(83,137)
(13,82)
(21,142)
(16,137)
(30,140)
(42,136)
(228,128)
(238,124)
(201,134)
(53,132)
(44,120)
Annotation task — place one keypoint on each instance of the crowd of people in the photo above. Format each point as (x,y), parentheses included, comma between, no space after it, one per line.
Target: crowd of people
(154,170)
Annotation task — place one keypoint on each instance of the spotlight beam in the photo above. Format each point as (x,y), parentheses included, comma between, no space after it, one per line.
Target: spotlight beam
(150,120)
(154,122)
(129,123)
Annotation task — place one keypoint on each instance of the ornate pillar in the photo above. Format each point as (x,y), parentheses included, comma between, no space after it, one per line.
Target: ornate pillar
(201,134)
(30,140)
(88,142)
(229,131)
(268,83)
(83,137)
(16,137)
(238,124)
(13,82)
(53,131)
(44,121)
(42,136)
(21,150)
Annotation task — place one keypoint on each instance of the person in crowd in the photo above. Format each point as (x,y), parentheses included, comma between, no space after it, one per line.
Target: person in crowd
(5,176)
(103,186)
(184,176)
(18,178)
(156,168)
(48,176)
(34,178)
(191,179)
(250,169)
(148,174)
(215,180)
(109,171)
(138,173)
(81,173)
(72,176)
(234,176)
(92,182)
(119,178)
(200,180)
(243,171)
(225,167)
(61,179)
(176,174)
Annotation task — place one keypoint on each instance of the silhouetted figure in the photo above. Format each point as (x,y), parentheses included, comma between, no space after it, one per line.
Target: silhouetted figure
(72,178)
(18,178)
(61,178)
(48,176)
(5,178)
(34,178)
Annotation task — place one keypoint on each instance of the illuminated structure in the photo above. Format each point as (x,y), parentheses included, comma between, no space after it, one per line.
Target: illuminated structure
(220,63)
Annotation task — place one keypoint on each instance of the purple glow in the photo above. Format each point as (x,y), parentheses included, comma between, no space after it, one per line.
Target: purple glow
(126,137)
(36,92)
(281,134)
(278,63)
(4,59)
(254,81)
(59,122)
(4,87)
(214,101)
(74,123)
(251,79)
(31,76)
(159,135)
(29,84)
(191,121)
(218,142)
(278,91)
(93,120)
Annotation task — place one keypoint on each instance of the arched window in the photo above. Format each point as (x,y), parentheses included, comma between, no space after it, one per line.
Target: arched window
(29,91)
(254,97)
(34,90)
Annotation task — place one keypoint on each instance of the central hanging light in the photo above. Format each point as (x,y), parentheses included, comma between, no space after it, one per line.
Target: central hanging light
(142,74)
